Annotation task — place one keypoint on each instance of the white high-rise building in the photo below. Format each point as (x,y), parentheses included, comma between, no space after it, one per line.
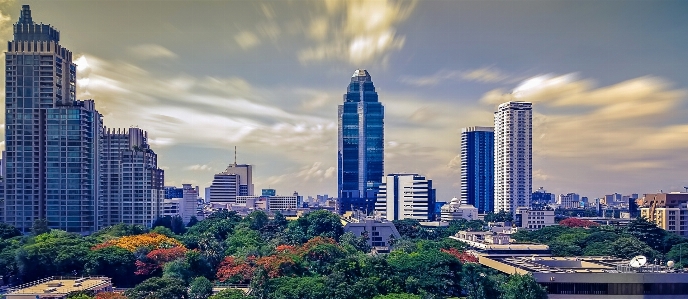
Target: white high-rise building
(405,196)
(569,201)
(513,154)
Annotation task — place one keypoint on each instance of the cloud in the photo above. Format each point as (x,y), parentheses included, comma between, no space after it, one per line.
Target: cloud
(247,40)
(199,167)
(357,31)
(482,75)
(150,51)
(637,124)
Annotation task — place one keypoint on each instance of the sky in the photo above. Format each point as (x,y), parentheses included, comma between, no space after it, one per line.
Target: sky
(608,81)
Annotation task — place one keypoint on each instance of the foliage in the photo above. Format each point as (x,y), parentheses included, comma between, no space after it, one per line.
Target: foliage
(575,222)
(150,240)
(318,223)
(235,270)
(523,287)
(679,254)
(157,259)
(80,295)
(648,233)
(479,282)
(114,262)
(501,216)
(40,226)
(53,253)
(7,231)
(158,288)
(200,288)
(175,224)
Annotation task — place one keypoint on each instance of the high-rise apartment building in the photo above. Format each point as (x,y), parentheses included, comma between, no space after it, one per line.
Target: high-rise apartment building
(477,168)
(131,188)
(406,196)
(51,138)
(513,156)
(361,145)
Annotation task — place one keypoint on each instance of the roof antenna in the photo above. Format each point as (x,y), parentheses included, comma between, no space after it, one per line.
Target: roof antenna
(235,155)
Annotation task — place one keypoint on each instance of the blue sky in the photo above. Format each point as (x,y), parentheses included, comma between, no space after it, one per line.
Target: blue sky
(608,80)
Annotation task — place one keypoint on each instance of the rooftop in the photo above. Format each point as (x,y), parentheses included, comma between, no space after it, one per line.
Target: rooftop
(61,285)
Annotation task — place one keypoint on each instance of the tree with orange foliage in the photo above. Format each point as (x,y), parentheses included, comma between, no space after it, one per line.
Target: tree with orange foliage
(150,240)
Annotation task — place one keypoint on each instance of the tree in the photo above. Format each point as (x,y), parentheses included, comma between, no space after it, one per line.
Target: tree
(114,262)
(501,216)
(679,254)
(200,288)
(192,221)
(158,288)
(178,269)
(523,287)
(319,223)
(479,284)
(7,231)
(40,226)
(54,253)
(110,295)
(648,233)
(575,222)
(628,247)
(80,295)
(244,242)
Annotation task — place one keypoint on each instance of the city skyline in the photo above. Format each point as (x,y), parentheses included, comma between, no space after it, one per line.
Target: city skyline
(608,93)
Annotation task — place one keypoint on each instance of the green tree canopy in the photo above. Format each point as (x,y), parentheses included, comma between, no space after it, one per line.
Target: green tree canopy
(200,288)
(158,288)
(523,287)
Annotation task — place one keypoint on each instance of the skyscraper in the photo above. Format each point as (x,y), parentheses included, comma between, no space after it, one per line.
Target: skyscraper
(361,145)
(51,138)
(477,168)
(131,189)
(236,180)
(513,156)
(406,196)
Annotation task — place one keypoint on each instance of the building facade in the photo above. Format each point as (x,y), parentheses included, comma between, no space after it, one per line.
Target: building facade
(669,211)
(131,183)
(569,201)
(51,138)
(236,180)
(361,145)
(528,218)
(513,156)
(477,167)
(406,196)
(541,198)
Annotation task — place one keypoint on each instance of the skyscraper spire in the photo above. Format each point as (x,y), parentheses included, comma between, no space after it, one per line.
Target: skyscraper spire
(235,163)
(25,17)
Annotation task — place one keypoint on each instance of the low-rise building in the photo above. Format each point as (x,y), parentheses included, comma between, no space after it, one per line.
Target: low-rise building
(456,210)
(594,277)
(59,287)
(496,244)
(528,218)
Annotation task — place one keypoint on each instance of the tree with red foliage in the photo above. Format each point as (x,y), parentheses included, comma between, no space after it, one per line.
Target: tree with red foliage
(157,259)
(238,271)
(462,256)
(575,222)
(110,295)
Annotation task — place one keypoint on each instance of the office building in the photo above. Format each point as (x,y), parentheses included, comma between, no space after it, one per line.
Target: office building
(569,201)
(51,138)
(236,180)
(174,192)
(533,218)
(405,196)
(669,211)
(361,145)
(131,184)
(188,205)
(477,167)
(513,156)
(541,198)
(273,202)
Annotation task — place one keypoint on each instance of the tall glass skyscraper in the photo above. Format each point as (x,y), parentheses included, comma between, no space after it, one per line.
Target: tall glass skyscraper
(361,145)
(51,138)
(477,167)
